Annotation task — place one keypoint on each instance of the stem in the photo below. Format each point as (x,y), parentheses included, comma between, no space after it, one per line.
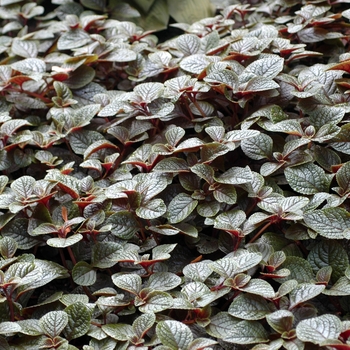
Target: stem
(9,301)
(260,232)
(63,258)
(72,257)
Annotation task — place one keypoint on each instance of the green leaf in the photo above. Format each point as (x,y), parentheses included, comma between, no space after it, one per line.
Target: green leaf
(161,252)
(8,247)
(143,323)
(343,177)
(172,165)
(24,48)
(151,209)
(318,329)
(104,254)
(156,301)
(307,178)
(23,186)
(174,334)
(118,331)
(299,268)
(235,176)
(329,223)
(230,220)
(9,327)
(124,224)
(329,253)
(258,147)
(340,288)
(64,242)
(72,39)
(188,44)
(280,320)
(221,325)
(149,91)
(249,307)
(199,271)
(130,282)
(163,281)
(180,207)
(247,332)
(195,63)
(83,274)
(268,67)
(304,292)
(53,323)
(259,287)
(226,77)
(79,317)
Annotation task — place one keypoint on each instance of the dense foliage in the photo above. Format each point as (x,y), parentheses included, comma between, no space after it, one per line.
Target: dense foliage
(186,194)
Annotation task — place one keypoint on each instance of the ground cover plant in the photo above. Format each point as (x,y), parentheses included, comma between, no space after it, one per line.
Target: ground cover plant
(189,193)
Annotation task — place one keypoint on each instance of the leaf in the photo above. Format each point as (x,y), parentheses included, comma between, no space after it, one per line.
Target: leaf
(161,252)
(299,268)
(307,178)
(24,48)
(8,247)
(267,67)
(199,271)
(249,307)
(230,220)
(124,224)
(156,301)
(340,288)
(120,331)
(72,39)
(247,332)
(23,186)
(163,281)
(189,44)
(329,223)
(195,63)
(174,334)
(104,254)
(171,165)
(152,209)
(149,91)
(59,242)
(180,207)
(280,320)
(259,287)
(143,323)
(83,274)
(318,329)
(235,176)
(304,292)
(130,282)
(329,253)
(79,317)
(53,323)
(343,177)
(257,147)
